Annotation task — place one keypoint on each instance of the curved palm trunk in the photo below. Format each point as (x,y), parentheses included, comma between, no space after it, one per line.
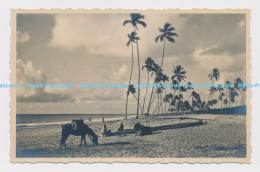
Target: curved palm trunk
(163,52)
(146,90)
(208,107)
(158,102)
(139,73)
(149,105)
(129,80)
(161,67)
(161,103)
(139,104)
(156,108)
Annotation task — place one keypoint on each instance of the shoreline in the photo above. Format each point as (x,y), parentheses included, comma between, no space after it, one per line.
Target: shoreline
(97,120)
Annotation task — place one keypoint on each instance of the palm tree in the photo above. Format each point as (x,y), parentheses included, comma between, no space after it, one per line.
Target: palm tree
(132,39)
(179,73)
(232,95)
(131,89)
(221,95)
(135,20)
(149,63)
(244,96)
(167,99)
(215,74)
(225,102)
(166,33)
(156,69)
(227,83)
(236,83)
(159,91)
(188,90)
(174,83)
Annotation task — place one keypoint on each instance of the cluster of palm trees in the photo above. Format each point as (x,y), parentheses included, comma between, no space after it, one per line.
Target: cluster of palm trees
(174,101)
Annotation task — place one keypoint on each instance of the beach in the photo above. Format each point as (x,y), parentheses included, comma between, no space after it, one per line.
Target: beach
(221,136)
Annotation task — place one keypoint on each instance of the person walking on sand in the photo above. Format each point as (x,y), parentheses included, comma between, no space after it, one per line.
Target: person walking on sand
(90,120)
(103,119)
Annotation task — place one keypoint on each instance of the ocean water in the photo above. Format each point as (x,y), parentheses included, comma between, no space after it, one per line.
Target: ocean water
(48,119)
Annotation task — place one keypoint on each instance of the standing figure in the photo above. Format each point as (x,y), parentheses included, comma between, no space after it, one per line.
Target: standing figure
(90,120)
(104,130)
(121,127)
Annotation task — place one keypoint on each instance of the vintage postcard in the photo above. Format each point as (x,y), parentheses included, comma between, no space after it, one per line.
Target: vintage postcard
(121,85)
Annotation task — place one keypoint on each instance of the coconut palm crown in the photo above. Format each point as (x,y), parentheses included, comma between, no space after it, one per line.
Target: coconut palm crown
(178,73)
(132,38)
(135,20)
(166,33)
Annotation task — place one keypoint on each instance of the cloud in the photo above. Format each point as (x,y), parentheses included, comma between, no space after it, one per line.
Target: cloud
(98,34)
(221,32)
(45,97)
(22,37)
(26,73)
(120,72)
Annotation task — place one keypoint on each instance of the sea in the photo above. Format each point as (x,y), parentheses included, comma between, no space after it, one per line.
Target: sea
(25,120)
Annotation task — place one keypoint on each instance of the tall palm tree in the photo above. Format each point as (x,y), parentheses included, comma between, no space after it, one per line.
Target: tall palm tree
(132,39)
(149,63)
(166,33)
(131,89)
(227,83)
(214,75)
(225,102)
(243,96)
(167,99)
(135,21)
(236,83)
(232,95)
(159,91)
(188,90)
(221,95)
(156,70)
(178,73)
(174,82)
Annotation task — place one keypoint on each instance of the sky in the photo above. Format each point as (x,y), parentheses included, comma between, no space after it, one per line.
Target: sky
(91,48)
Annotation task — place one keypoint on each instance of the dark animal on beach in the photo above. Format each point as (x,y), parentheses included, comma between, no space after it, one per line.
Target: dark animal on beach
(83,130)
(142,130)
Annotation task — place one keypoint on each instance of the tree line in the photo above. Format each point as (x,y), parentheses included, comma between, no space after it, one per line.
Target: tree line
(174,101)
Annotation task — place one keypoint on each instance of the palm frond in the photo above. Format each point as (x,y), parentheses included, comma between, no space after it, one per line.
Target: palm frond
(170,39)
(161,38)
(126,22)
(166,26)
(157,38)
(171,34)
(171,29)
(128,43)
(141,23)
(136,16)
(161,30)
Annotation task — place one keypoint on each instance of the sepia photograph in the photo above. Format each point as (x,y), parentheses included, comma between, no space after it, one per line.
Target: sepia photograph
(130,85)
